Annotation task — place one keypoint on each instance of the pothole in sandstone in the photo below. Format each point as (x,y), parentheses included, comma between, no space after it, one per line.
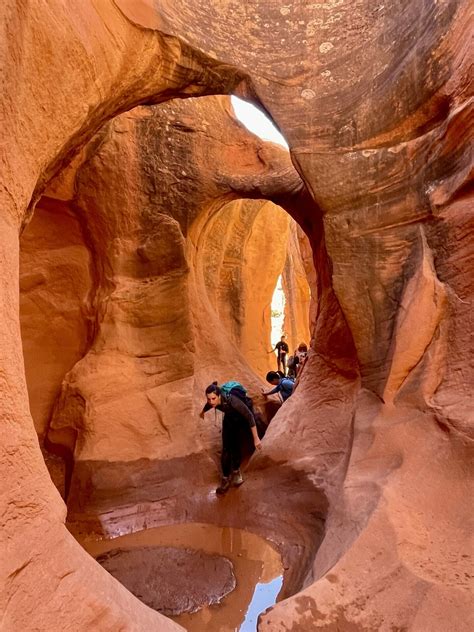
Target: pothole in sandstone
(219,578)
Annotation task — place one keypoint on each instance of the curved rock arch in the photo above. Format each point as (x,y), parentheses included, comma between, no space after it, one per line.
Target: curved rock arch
(427,195)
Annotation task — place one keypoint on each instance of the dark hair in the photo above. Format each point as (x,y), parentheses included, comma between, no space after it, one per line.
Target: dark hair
(213,388)
(302,347)
(272,375)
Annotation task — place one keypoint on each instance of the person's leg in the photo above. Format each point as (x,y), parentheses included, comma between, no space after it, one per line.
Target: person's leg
(283,362)
(236,453)
(234,429)
(278,361)
(226,460)
(236,478)
(226,456)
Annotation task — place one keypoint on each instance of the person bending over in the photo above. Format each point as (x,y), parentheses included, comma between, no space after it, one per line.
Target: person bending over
(238,422)
(282,385)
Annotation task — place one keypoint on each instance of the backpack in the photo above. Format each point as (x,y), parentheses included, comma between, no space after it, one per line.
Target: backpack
(287,385)
(292,362)
(234,388)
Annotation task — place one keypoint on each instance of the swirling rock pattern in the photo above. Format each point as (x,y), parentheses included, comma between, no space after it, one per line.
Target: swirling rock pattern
(376,104)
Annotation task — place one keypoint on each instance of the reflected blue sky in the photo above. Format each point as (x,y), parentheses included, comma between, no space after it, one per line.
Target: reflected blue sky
(264,596)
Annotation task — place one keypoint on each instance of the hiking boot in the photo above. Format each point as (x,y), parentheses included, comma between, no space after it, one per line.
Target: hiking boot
(224,486)
(237,478)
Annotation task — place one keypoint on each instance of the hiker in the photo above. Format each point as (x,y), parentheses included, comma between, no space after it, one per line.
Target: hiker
(282,349)
(301,355)
(292,366)
(237,424)
(282,385)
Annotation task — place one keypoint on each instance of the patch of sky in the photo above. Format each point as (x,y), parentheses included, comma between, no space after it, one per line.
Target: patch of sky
(256,121)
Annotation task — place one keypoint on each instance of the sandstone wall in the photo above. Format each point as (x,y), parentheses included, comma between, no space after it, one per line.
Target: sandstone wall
(55,281)
(241,273)
(375,101)
(137,392)
(297,291)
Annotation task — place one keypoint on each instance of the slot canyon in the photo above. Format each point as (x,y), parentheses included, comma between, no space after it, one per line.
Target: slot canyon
(143,230)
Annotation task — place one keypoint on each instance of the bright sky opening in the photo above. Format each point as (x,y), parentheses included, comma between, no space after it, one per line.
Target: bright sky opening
(256,121)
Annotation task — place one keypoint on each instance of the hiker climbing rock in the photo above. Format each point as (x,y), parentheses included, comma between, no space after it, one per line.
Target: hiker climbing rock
(282,385)
(301,355)
(237,424)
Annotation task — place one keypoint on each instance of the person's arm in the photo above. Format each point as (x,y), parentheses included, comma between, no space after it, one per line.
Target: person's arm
(238,405)
(207,407)
(273,391)
(256,439)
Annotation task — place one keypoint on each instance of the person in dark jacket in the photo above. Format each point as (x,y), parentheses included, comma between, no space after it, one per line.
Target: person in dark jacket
(282,385)
(238,421)
(282,350)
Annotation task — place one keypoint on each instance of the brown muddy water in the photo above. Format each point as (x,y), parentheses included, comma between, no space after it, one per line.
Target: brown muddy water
(256,565)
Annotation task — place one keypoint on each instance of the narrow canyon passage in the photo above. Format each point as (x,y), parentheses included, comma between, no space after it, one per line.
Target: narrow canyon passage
(133,299)
(135,270)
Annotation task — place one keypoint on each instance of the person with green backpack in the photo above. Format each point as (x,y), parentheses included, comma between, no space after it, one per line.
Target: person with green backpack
(238,425)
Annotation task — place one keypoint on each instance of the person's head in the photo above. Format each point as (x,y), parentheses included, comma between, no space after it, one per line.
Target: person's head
(273,377)
(283,338)
(213,395)
(303,347)
(280,373)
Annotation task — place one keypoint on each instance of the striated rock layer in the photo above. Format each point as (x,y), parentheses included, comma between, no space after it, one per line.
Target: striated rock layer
(298,273)
(376,104)
(163,260)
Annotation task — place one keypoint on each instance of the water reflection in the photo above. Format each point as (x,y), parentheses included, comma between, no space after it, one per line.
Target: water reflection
(257,567)
(264,596)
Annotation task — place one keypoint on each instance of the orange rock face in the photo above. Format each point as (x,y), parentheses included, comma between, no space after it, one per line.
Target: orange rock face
(55,282)
(298,272)
(241,277)
(376,104)
(163,259)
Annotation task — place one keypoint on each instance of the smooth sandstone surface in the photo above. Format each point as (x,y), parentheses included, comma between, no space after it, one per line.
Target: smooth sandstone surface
(376,104)
(298,274)
(168,247)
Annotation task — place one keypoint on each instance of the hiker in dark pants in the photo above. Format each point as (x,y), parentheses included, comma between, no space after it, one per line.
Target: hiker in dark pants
(282,350)
(237,423)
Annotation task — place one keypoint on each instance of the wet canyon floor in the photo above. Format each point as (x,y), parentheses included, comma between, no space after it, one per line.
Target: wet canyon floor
(270,529)
(226,599)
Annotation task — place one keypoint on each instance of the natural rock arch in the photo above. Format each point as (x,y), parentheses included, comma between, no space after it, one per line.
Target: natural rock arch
(412,96)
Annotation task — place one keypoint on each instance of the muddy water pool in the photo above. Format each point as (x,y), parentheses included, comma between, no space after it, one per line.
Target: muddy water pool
(256,565)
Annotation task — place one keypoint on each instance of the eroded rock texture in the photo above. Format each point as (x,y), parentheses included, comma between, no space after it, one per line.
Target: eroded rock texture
(55,281)
(169,247)
(376,104)
(297,274)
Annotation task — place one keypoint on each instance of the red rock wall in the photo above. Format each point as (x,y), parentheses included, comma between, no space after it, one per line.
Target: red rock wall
(242,255)
(375,103)
(296,324)
(132,395)
(55,281)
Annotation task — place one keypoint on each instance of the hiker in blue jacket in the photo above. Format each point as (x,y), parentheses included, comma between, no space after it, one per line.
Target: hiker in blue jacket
(237,423)
(282,385)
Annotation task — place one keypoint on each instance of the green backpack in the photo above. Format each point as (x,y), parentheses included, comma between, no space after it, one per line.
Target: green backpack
(234,388)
